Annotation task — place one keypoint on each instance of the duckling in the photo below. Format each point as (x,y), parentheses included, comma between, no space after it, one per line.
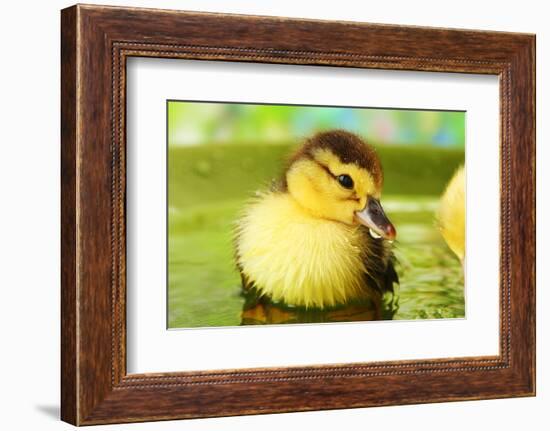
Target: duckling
(320,239)
(451,214)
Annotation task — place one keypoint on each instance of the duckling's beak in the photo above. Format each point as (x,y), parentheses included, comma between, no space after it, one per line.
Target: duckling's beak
(374,217)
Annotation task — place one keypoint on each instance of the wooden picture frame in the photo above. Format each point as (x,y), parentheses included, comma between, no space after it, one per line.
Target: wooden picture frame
(96,41)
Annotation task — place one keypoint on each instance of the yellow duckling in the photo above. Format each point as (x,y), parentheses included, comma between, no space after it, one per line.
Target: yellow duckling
(321,238)
(451,214)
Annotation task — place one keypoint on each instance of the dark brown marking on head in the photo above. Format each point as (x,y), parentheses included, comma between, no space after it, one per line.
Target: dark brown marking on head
(326,169)
(348,147)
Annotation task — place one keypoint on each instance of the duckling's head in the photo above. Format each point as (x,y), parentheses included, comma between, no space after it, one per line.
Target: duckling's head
(335,175)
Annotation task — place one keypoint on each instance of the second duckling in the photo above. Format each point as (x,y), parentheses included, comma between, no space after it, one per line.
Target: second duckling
(452,214)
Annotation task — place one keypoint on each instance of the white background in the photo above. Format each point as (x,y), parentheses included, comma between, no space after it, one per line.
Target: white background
(29,228)
(151,348)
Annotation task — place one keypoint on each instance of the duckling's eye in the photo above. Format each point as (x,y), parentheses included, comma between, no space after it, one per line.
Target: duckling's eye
(345,181)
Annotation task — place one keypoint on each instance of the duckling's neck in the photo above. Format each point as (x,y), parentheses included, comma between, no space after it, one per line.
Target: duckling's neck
(293,256)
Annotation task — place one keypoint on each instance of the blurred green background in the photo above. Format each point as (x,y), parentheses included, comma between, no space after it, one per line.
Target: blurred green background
(219,154)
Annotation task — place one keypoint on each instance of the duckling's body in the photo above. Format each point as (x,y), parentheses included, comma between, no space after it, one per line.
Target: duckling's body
(452,214)
(296,258)
(301,244)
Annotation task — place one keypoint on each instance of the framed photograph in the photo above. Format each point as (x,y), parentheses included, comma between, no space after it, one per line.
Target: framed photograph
(264,214)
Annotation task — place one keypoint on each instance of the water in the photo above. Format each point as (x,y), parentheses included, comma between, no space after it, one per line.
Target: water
(204,286)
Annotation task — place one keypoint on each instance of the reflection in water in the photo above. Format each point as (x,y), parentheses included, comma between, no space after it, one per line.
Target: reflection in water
(262,314)
(262,311)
